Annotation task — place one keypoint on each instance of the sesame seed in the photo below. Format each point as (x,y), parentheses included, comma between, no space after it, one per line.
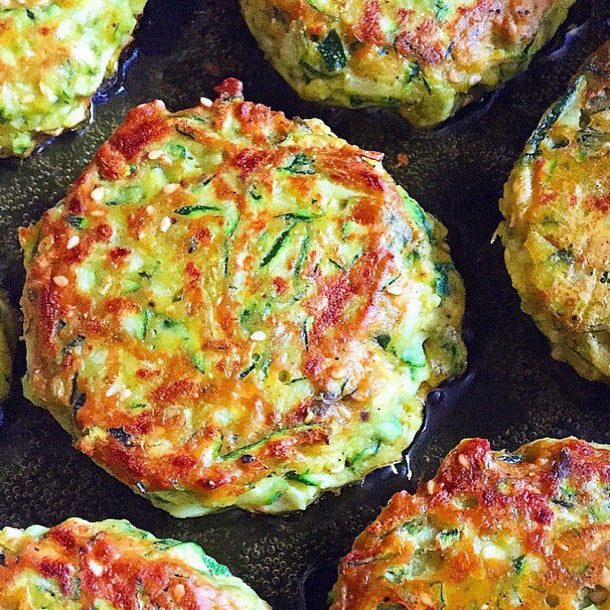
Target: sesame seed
(463,460)
(205,101)
(96,568)
(73,242)
(112,390)
(179,591)
(258,335)
(430,487)
(166,223)
(97,194)
(605,580)
(61,281)
(97,213)
(168,189)
(338,373)
(394,290)
(125,394)
(155,154)
(453,76)
(344,412)
(105,286)
(426,599)
(150,210)
(309,417)
(28,99)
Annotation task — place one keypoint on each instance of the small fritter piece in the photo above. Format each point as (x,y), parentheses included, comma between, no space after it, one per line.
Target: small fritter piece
(529,529)
(9,332)
(557,228)
(112,565)
(55,55)
(426,58)
(234,308)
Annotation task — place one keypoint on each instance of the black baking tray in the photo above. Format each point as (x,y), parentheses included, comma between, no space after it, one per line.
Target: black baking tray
(513,392)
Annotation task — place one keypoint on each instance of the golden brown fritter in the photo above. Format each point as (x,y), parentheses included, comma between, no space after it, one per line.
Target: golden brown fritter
(112,565)
(234,308)
(557,228)
(529,529)
(426,58)
(55,55)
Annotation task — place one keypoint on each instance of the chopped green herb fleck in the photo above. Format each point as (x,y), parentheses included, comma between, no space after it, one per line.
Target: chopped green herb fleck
(383,340)
(448,537)
(78,222)
(564,255)
(332,52)
(277,246)
(300,163)
(519,564)
(302,255)
(195,211)
(247,371)
(442,284)
(441,9)
(304,478)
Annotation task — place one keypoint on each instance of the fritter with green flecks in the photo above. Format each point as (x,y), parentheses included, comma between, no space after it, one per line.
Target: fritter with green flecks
(425,58)
(529,529)
(233,308)
(556,231)
(111,565)
(54,55)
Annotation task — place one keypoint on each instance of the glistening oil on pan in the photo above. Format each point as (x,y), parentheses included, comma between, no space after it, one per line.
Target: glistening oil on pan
(513,392)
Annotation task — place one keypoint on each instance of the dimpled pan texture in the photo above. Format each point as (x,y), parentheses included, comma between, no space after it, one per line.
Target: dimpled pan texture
(513,391)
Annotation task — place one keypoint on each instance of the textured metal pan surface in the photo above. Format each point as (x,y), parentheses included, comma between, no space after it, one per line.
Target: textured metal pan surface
(513,391)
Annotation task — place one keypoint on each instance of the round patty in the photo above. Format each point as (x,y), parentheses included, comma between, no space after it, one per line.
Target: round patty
(529,529)
(112,565)
(557,230)
(55,55)
(231,307)
(425,58)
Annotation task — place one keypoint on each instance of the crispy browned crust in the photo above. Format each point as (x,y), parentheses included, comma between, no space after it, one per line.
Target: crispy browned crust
(556,232)
(427,60)
(113,562)
(346,305)
(539,505)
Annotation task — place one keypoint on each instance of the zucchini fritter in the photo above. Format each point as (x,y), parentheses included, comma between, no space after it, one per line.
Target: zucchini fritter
(426,58)
(557,228)
(111,565)
(234,308)
(54,56)
(529,529)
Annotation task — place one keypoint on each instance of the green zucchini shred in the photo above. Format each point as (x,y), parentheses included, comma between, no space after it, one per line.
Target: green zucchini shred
(332,52)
